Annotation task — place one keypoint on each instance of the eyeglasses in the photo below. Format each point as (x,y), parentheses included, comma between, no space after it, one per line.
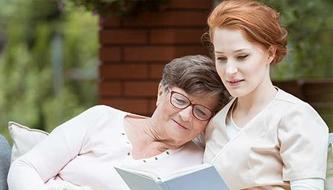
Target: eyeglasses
(180,101)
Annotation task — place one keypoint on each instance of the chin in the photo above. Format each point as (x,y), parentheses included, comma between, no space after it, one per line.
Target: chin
(238,92)
(235,93)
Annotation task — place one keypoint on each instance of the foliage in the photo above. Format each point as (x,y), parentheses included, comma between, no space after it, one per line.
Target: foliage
(119,7)
(37,34)
(310,28)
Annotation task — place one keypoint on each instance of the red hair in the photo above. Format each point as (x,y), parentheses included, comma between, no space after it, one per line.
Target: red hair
(258,22)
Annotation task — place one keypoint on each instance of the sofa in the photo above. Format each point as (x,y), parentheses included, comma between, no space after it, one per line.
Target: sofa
(5,153)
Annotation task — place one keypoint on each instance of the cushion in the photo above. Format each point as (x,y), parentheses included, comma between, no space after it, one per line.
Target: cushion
(24,138)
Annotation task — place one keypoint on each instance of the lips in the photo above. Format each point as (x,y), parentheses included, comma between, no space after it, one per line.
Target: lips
(234,83)
(179,125)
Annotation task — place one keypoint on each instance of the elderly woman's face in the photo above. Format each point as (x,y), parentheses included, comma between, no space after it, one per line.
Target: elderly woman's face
(184,116)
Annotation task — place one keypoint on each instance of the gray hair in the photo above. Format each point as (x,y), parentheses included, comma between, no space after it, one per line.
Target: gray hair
(195,74)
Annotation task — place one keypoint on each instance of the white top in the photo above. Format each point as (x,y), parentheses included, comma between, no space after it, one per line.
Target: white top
(286,141)
(231,127)
(84,150)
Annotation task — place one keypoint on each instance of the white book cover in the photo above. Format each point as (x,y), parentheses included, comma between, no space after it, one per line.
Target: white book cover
(199,177)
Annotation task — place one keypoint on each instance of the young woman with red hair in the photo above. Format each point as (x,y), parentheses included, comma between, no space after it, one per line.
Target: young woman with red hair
(264,138)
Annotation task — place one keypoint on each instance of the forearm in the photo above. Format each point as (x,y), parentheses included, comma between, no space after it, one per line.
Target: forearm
(50,156)
(23,176)
(307,184)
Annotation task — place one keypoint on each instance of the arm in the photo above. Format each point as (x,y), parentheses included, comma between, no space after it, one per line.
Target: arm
(45,160)
(307,184)
(303,139)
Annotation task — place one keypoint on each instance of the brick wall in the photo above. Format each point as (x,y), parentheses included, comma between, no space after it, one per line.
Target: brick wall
(134,50)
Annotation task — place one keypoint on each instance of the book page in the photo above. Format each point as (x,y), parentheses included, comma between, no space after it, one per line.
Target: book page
(139,171)
(138,181)
(154,174)
(197,177)
(184,171)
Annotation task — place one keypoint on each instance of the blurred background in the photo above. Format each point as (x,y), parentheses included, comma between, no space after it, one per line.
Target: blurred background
(59,57)
(48,62)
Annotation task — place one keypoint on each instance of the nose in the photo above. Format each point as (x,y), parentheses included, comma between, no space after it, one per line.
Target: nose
(186,113)
(231,68)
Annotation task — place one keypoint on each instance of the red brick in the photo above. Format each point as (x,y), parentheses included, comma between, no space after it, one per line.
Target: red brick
(176,36)
(189,50)
(107,88)
(109,22)
(123,36)
(169,18)
(160,53)
(141,88)
(110,54)
(124,71)
(190,4)
(134,105)
(155,71)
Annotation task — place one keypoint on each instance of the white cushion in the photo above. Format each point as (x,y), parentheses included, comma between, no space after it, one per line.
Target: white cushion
(24,138)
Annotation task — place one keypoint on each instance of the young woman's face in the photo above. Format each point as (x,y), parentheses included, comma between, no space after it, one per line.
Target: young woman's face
(242,65)
(180,125)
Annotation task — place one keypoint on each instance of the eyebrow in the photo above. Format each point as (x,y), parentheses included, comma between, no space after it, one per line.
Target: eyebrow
(239,50)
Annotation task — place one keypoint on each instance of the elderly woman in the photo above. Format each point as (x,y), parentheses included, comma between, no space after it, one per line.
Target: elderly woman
(84,150)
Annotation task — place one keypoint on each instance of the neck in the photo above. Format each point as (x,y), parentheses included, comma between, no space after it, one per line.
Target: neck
(156,137)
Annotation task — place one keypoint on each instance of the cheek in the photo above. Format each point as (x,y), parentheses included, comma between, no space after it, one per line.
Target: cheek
(200,127)
(254,67)
(261,68)
(167,109)
(260,61)
(220,70)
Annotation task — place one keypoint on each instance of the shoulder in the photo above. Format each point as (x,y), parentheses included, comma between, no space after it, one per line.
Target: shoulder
(91,118)
(290,107)
(298,116)
(294,107)
(103,116)
(103,109)
(287,100)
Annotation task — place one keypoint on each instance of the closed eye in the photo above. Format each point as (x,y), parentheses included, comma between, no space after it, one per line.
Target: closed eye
(222,59)
(201,113)
(180,101)
(242,57)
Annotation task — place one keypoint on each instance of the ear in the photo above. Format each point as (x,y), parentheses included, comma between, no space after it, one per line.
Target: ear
(160,93)
(271,54)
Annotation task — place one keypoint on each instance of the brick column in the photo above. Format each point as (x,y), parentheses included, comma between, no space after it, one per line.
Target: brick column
(134,50)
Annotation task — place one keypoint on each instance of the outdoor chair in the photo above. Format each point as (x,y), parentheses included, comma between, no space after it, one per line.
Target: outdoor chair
(5,153)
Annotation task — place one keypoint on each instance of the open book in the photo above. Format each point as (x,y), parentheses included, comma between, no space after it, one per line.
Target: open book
(198,177)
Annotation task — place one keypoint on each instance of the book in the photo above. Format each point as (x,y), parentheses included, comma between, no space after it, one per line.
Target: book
(199,177)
